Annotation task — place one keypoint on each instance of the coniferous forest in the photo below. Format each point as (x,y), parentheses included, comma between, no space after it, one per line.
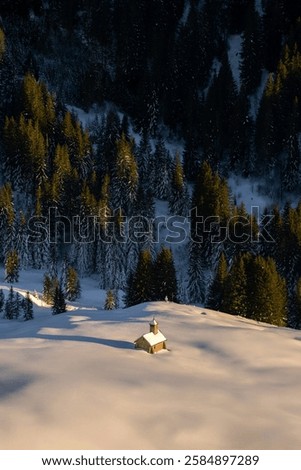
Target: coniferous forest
(83,201)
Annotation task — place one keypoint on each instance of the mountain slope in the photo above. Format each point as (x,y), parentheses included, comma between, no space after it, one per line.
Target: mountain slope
(74,381)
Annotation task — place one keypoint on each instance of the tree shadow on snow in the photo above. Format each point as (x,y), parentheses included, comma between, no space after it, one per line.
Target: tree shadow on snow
(112,343)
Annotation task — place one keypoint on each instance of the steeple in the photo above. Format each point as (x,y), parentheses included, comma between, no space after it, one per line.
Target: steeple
(153,326)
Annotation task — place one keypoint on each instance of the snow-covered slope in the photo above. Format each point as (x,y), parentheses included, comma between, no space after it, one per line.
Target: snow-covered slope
(74,381)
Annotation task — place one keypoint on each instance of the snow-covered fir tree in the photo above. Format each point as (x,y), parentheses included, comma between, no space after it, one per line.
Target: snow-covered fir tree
(197,283)
(160,171)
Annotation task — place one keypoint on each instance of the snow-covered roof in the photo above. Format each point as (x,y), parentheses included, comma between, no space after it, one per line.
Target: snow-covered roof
(154,339)
(153,322)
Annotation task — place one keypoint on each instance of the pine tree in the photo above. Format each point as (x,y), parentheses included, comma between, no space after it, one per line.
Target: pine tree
(217,288)
(12,267)
(21,240)
(178,198)
(110,302)
(72,285)
(49,287)
(17,305)
(267,294)
(219,115)
(165,282)
(235,300)
(27,307)
(291,173)
(274,246)
(33,99)
(129,290)
(294,319)
(289,254)
(11,161)
(125,182)
(59,304)
(211,202)
(140,284)
(62,172)
(7,226)
(255,290)
(106,151)
(144,159)
(196,272)
(160,170)
(291,176)
(9,309)
(2,300)
(266,138)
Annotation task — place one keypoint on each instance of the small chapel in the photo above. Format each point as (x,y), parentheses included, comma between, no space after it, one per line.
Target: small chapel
(152,342)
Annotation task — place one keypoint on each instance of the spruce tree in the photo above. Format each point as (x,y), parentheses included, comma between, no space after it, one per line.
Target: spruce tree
(27,307)
(72,285)
(110,302)
(106,156)
(289,254)
(9,309)
(17,305)
(267,294)
(144,159)
(2,300)
(12,267)
(235,299)
(178,197)
(49,286)
(291,173)
(160,170)
(129,290)
(294,318)
(217,288)
(59,304)
(21,240)
(266,138)
(140,285)
(219,115)
(125,182)
(165,282)
(196,272)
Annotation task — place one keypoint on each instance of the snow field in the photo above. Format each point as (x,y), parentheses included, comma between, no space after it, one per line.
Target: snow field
(74,381)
